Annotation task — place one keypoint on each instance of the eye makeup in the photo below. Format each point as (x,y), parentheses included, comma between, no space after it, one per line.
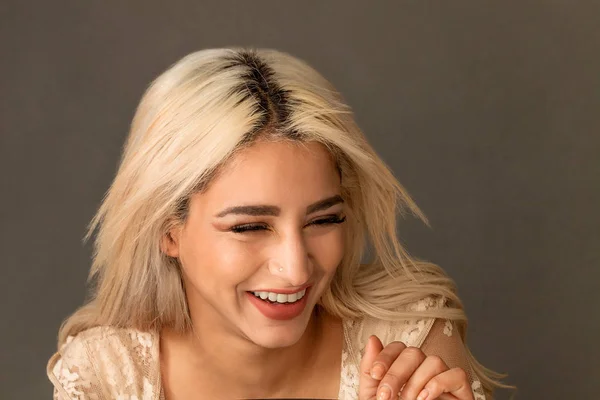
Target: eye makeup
(322,221)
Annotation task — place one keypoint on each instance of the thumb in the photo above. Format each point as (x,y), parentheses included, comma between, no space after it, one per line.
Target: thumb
(367,387)
(372,349)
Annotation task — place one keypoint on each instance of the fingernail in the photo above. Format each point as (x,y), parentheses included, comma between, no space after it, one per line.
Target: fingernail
(384,393)
(423,395)
(377,371)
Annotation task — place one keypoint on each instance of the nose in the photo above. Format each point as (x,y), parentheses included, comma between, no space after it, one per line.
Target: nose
(291,261)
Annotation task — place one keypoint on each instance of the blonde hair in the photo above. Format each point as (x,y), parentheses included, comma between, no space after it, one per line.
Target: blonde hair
(192,119)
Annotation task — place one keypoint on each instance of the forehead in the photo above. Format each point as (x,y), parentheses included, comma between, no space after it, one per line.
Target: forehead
(273,172)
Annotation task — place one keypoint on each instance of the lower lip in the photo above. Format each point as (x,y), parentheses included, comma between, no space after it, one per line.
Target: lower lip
(277,311)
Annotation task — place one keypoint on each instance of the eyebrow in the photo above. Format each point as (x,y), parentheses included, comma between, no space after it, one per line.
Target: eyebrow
(262,210)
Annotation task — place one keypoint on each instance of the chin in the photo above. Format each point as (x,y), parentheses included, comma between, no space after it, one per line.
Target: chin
(280,335)
(278,338)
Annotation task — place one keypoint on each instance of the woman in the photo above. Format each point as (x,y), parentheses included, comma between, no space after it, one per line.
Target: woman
(228,254)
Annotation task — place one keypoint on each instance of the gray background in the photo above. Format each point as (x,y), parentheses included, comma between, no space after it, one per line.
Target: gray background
(486,111)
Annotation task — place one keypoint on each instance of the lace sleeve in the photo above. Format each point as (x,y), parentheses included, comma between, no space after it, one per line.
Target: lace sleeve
(72,374)
(107,363)
(444,341)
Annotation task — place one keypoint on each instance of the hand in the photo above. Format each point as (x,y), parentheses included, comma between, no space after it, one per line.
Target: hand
(386,373)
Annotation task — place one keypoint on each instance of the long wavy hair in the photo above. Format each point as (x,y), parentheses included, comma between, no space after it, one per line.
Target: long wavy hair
(194,118)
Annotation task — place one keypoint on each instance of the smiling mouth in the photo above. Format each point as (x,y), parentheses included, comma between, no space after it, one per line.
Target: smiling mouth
(279,306)
(279,298)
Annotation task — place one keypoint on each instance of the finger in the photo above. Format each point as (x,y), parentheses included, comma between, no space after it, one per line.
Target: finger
(367,386)
(454,381)
(384,360)
(407,362)
(432,366)
(372,349)
(447,396)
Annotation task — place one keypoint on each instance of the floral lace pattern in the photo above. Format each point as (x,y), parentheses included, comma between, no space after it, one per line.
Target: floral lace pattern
(349,379)
(70,381)
(105,363)
(477,390)
(448,327)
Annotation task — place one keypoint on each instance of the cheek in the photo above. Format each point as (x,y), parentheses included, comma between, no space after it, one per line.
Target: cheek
(211,260)
(328,250)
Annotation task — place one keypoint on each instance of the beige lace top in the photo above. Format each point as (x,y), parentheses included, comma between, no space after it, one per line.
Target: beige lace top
(105,363)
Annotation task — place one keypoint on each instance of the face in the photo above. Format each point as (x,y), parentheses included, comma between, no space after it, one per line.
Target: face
(267,230)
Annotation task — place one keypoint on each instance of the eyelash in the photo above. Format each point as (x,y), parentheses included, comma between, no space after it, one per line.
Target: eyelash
(260,227)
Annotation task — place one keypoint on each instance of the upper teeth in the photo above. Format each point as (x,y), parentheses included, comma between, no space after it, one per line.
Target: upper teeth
(281,298)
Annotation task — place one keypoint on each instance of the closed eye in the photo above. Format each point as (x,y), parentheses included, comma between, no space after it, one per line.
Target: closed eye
(248,228)
(332,220)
